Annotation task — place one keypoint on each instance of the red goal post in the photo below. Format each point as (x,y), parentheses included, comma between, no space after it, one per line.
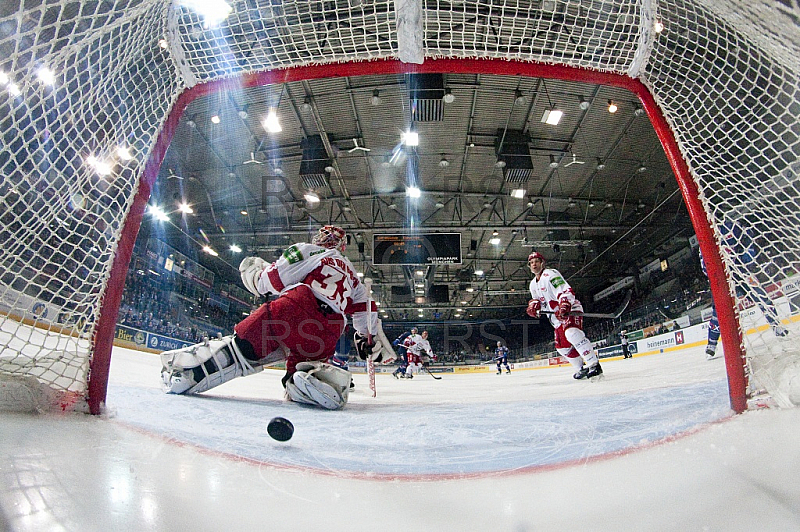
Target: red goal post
(606,42)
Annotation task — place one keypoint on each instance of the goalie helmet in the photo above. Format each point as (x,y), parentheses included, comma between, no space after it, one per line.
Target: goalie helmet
(535,255)
(331,237)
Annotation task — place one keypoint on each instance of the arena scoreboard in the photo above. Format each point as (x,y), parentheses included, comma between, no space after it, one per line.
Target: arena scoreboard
(418,249)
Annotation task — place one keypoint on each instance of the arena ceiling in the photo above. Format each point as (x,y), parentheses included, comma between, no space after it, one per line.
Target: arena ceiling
(599,198)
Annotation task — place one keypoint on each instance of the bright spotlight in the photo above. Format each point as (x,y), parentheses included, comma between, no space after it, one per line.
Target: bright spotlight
(413,192)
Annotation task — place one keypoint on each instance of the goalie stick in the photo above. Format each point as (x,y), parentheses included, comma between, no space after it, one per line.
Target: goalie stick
(612,316)
(371,340)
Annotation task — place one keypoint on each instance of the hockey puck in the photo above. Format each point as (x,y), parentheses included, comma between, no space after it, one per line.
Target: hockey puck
(280,428)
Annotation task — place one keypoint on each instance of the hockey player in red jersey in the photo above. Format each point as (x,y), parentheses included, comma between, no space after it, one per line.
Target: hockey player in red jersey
(550,291)
(317,288)
(418,352)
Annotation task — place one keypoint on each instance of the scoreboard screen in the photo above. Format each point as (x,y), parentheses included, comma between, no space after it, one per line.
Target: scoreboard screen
(421,249)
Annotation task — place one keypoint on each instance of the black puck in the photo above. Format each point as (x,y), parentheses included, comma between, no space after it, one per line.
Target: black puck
(280,428)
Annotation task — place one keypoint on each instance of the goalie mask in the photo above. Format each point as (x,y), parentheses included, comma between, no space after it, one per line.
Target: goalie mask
(331,237)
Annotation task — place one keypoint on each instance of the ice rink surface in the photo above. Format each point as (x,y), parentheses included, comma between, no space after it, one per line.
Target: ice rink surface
(652,446)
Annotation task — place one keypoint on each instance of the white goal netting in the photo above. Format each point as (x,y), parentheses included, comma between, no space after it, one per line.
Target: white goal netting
(86,87)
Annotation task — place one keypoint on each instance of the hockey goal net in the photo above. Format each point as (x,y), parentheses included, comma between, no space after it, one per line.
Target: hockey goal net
(91,92)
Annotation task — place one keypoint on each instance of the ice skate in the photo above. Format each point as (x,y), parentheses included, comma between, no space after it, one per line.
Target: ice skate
(779,330)
(711,353)
(499,372)
(508,371)
(593,372)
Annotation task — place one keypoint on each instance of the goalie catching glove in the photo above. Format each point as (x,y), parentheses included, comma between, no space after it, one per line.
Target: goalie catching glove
(250,270)
(319,384)
(379,350)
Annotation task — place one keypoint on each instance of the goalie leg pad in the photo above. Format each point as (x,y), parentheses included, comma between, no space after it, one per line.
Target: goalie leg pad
(204,366)
(319,384)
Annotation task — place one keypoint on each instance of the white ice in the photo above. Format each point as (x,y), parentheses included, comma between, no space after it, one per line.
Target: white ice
(653,446)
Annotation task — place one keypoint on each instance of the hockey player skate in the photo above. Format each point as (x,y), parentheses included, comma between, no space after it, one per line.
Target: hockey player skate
(589,372)
(711,353)
(203,366)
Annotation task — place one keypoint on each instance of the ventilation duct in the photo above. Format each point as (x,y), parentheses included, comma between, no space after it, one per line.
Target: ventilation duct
(426,92)
(315,160)
(512,148)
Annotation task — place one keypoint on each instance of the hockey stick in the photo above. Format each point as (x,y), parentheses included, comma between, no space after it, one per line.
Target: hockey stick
(370,340)
(612,316)
(431,374)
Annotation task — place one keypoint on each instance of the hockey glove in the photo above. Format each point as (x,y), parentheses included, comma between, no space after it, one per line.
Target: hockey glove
(562,313)
(250,270)
(379,350)
(534,308)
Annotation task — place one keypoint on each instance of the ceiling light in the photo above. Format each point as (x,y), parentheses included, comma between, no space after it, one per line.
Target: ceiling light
(439,205)
(330,169)
(584,104)
(215,119)
(612,107)
(478,272)
(553,162)
(495,233)
(609,204)
(600,164)
(591,204)
(641,169)
(185,208)
(243,212)
(413,192)
(448,96)
(641,205)
(13,89)
(659,26)
(470,289)
(375,99)
(519,98)
(411,138)
(242,113)
(191,123)
(271,123)
(306,106)
(500,163)
(163,44)
(552,117)
(212,11)
(393,206)
(572,202)
(311,197)
(444,163)
(518,193)
(158,213)
(638,111)
(494,241)
(235,249)
(420,273)
(46,76)
(124,153)
(210,251)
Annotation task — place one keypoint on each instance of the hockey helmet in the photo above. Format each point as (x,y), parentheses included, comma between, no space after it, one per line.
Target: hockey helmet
(536,255)
(331,237)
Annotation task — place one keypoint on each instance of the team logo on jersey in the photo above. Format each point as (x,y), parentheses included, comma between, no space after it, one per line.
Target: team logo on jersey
(292,255)
(556,282)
